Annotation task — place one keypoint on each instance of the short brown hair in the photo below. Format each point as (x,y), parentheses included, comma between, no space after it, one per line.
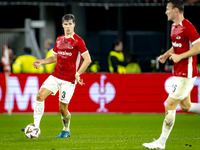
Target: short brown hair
(68,17)
(177,4)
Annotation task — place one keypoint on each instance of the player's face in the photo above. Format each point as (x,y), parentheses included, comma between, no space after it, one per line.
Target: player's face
(68,26)
(170,11)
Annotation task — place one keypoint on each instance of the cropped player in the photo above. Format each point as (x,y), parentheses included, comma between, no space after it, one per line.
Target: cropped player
(183,35)
(68,52)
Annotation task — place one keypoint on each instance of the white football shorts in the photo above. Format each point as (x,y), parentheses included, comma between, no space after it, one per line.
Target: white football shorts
(182,87)
(65,88)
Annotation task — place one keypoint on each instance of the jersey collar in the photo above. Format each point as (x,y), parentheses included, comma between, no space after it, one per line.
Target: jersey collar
(71,37)
(181,23)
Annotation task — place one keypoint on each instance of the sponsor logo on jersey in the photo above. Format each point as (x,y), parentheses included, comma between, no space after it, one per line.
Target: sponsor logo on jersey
(176,44)
(178,37)
(65,53)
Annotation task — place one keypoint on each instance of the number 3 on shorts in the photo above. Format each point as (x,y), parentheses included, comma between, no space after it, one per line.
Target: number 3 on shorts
(63,94)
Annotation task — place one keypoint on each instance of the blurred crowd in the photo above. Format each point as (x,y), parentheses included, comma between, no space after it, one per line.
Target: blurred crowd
(118,62)
(23,63)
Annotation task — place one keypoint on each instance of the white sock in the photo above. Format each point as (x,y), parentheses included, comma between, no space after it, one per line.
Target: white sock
(38,112)
(167,126)
(195,107)
(66,122)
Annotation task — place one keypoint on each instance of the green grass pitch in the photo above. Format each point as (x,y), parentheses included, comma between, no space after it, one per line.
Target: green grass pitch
(99,132)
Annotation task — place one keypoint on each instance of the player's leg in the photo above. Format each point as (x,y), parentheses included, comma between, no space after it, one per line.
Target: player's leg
(187,106)
(39,105)
(169,120)
(49,87)
(167,125)
(65,117)
(180,95)
(65,94)
(180,92)
(195,107)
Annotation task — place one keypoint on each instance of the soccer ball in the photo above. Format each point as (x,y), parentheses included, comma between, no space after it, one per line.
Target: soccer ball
(31,131)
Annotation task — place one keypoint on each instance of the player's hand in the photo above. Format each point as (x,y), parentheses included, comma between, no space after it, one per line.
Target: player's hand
(79,80)
(162,58)
(176,58)
(37,63)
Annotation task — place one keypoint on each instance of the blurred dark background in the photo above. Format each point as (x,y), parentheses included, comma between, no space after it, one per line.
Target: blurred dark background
(141,24)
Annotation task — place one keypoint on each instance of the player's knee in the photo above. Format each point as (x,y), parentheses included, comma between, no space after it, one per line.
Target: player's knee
(185,108)
(170,106)
(40,97)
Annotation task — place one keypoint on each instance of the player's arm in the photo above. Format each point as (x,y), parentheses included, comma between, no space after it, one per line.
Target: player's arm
(195,50)
(86,62)
(163,58)
(48,60)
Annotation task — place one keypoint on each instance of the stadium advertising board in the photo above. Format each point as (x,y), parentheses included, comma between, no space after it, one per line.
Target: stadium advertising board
(111,93)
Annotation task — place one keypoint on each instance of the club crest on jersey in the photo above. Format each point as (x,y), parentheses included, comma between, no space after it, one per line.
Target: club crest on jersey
(70,47)
(178,37)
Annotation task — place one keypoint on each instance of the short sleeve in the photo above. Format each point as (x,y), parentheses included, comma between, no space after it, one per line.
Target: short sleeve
(81,46)
(191,33)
